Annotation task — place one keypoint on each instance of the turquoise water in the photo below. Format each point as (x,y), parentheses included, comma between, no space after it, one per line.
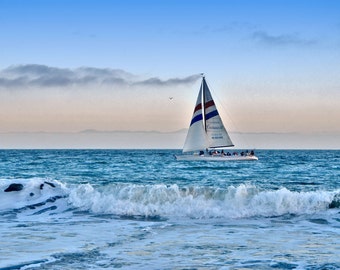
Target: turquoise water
(142,209)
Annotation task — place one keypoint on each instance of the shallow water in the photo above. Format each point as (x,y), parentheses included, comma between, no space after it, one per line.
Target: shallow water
(142,209)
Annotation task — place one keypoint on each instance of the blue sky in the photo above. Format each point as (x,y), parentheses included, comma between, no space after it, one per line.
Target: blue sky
(152,36)
(273,65)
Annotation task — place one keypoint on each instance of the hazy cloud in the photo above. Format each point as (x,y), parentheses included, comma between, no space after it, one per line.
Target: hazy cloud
(21,76)
(169,82)
(281,40)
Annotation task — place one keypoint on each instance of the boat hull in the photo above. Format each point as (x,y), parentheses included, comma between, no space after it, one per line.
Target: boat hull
(214,158)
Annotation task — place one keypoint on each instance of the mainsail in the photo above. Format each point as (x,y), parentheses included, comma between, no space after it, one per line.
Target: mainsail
(206,128)
(196,138)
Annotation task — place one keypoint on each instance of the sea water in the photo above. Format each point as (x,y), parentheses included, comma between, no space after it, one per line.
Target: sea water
(142,209)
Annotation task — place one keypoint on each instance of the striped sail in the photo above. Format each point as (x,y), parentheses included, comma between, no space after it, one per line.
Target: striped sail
(206,128)
(196,138)
(215,130)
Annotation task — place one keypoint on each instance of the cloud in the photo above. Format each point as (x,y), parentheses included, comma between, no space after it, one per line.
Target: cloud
(169,82)
(281,40)
(32,75)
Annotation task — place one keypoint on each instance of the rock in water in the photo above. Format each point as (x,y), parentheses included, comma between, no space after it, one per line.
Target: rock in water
(49,183)
(14,187)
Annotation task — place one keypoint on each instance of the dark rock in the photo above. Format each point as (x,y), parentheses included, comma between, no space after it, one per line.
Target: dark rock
(335,202)
(49,183)
(14,187)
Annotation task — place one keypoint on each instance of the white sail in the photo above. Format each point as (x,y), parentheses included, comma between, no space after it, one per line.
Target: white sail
(206,128)
(216,133)
(196,138)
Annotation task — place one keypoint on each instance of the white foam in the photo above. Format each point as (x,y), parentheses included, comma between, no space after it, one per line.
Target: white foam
(32,192)
(245,200)
(197,202)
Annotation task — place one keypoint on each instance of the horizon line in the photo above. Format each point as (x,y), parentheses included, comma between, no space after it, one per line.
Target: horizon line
(89,131)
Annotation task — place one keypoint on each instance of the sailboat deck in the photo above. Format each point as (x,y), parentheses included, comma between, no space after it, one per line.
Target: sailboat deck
(197,157)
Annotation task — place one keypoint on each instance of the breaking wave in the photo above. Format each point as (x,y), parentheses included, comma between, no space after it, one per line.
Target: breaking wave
(199,202)
(162,200)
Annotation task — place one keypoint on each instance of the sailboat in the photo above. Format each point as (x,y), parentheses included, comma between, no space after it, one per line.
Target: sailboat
(207,137)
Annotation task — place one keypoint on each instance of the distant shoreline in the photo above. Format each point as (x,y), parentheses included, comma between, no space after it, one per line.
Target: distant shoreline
(92,139)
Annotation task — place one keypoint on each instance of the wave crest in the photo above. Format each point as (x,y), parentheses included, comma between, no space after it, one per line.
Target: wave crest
(197,202)
(162,200)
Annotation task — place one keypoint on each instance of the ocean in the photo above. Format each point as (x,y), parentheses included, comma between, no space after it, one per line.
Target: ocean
(142,209)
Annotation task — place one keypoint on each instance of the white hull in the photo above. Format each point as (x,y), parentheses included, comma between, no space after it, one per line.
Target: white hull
(215,158)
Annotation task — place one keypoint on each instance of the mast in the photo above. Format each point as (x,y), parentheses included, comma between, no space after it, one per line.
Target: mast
(203,102)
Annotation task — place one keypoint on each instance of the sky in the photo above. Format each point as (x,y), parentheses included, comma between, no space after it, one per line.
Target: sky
(73,66)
